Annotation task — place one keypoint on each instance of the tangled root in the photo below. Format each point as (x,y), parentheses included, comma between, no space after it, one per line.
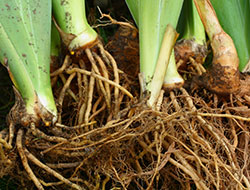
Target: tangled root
(190,141)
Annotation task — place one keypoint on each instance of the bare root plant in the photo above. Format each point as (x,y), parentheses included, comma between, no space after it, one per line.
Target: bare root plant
(104,138)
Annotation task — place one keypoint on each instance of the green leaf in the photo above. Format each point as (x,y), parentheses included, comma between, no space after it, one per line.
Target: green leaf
(133,6)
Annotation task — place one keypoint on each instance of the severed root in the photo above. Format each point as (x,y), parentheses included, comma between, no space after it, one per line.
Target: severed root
(4,143)
(11,133)
(186,49)
(25,161)
(25,155)
(36,132)
(91,86)
(198,66)
(32,158)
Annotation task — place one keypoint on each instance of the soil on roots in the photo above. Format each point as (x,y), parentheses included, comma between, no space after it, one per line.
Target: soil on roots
(104,139)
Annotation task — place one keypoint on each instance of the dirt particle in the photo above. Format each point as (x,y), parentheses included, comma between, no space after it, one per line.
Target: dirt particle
(24,55)
(34,11)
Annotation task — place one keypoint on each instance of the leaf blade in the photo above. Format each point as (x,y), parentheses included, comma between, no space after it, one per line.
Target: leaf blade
(25,42)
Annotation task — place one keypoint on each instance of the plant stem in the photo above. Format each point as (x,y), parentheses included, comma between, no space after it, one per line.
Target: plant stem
(223,77)
(154,15)
(71,17)
(233,16)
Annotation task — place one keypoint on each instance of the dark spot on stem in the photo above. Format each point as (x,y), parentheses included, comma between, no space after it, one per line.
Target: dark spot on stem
(24,55)
(64,2)
(19,19)
(8,7)
(34,11)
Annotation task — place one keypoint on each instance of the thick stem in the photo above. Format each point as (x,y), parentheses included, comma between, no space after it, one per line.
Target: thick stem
(234,18)
(154,15)
(223,77)
(71,17)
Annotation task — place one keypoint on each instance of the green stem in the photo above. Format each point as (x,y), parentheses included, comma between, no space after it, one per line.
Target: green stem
(193,27)
(154,15)
(71,17)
